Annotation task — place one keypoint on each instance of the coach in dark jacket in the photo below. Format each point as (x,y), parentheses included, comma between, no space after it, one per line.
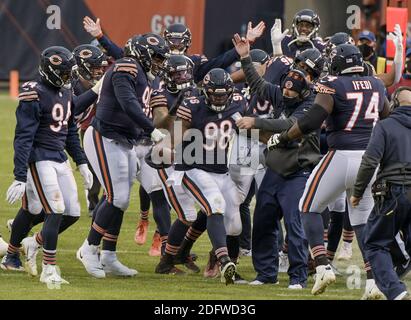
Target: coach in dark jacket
(285,179)
(390,148)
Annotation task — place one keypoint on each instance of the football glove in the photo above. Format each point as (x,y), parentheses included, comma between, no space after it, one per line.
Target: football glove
(276,37)
(15,191)
(87,176)
(157,136)
(396,37)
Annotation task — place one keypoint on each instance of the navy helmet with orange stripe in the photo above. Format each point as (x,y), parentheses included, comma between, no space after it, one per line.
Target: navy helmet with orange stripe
(56,64)
(91,62)
(178,72)
(218,88)
(178,37)
(346,59)
(150,50)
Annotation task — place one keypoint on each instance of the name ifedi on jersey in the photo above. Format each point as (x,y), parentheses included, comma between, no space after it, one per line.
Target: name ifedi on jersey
(362,85)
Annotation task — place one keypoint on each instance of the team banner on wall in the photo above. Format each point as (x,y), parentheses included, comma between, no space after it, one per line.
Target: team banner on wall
(28,27)
(123,18)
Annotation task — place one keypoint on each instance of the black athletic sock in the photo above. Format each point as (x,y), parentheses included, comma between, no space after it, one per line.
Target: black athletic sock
(113,231)
(66,222)
(334,233)
(37,219)
(326,222)
(21,227)
(96,208)
(193,233)
(175,237)
(144,200)
(233,247)
(104,216)
(314,230)
(216,232)
(49,234)
(161,212)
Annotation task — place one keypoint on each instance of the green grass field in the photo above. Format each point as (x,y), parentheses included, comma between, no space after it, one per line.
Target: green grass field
(147,284)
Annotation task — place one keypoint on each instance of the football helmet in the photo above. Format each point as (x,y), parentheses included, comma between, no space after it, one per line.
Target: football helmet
(91,62)
(150,50)
(218,88)
(305,15)
(345,59)
(178,38)
(56,64)
(311,60)
(178,73)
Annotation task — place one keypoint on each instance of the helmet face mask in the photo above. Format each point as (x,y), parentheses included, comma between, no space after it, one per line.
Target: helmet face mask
(91,63)
(157,66)
(219,98)
(182,78)
(178,45)
(218,88)
(150,50)
(306,24)
(178,73)
(56,65)
(178,38)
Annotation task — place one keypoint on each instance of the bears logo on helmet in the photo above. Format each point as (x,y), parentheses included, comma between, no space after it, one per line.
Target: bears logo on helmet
(153,41)
(56,60)
(85,53)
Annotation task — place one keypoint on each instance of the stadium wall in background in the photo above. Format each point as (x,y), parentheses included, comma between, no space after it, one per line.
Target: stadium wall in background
(24,33)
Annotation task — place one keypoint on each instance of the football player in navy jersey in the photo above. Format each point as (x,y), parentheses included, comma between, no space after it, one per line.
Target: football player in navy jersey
(305,27)
(90,67)
(351,104)
(178,85)
(43,176)
(91,64)
(118,126)
(207,125)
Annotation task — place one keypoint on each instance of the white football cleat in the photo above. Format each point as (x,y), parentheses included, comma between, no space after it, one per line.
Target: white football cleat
(295,286)
(88,255)
(345,253)
(30,249)
(3,247)
(283,263)
(323,278)
(245,252)
(9,224)
(50,275)
(112,265)
(260,283)
(371,291)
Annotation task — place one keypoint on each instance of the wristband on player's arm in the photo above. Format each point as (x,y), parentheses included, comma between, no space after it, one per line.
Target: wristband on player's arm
(313,119)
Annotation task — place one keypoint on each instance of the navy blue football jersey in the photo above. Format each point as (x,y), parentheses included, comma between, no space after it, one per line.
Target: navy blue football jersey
(277,68)
(163,97)
(358,100)
(45,127)
(84,118)
(216,130)
(293,50)
(124,95)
